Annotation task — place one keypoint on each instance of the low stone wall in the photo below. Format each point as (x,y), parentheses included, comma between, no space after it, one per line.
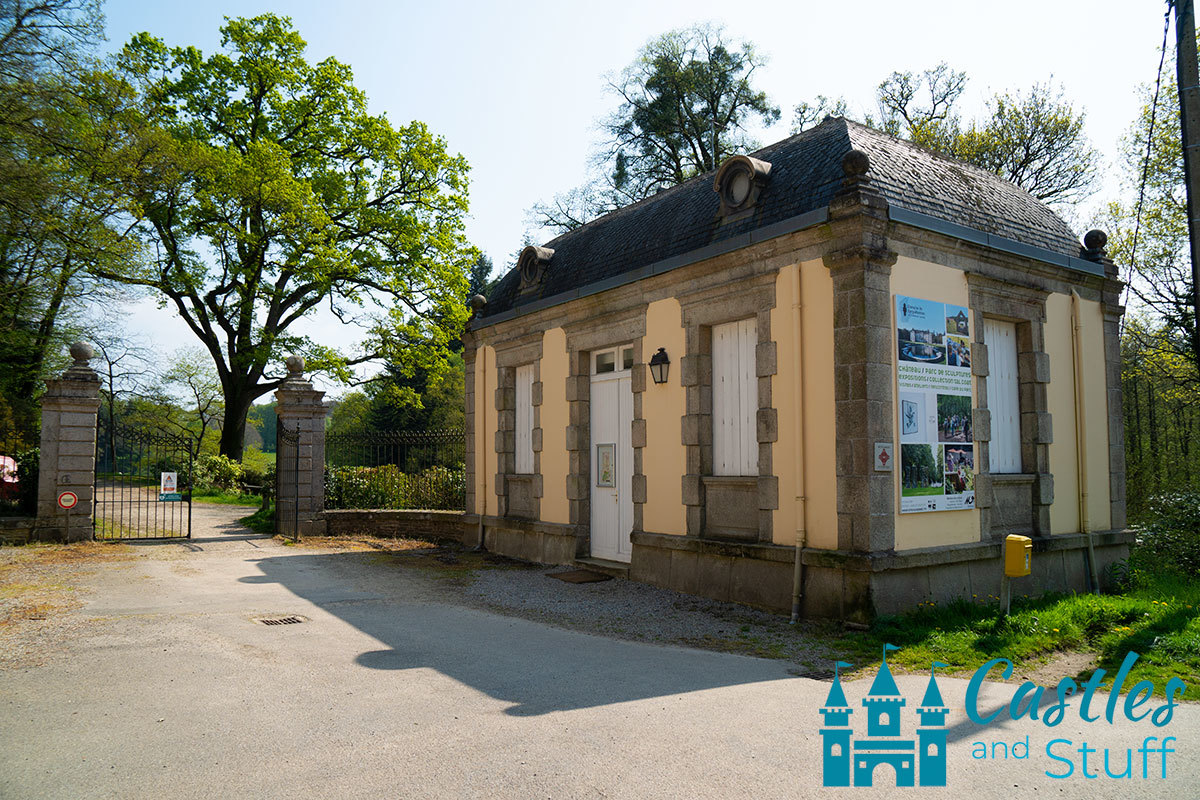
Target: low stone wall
(388,522)
(16,530)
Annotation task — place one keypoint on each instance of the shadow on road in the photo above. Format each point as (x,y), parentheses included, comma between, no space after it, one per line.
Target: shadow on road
(535,667)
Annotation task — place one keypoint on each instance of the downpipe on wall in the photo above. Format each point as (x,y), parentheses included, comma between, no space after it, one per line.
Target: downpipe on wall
(801,500)
(1081,441)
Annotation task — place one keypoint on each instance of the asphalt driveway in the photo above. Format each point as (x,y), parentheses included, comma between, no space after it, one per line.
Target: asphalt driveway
(163,684)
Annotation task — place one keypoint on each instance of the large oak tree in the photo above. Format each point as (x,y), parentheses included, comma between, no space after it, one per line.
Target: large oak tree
(275,193)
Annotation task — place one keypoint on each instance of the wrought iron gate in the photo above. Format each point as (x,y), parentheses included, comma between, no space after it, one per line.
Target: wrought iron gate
(287,481)
(143,484)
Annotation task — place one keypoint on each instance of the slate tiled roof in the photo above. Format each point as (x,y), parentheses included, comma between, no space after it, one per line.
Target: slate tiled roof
(806,172)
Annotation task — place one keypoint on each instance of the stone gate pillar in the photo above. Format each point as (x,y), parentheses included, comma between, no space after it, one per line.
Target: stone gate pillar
(68,450)
(300,408)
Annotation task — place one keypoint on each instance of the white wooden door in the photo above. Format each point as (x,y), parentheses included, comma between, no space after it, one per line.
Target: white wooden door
(612,457)
(1003,397)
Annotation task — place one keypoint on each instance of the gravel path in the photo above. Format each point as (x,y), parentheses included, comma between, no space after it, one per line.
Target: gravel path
(638,612)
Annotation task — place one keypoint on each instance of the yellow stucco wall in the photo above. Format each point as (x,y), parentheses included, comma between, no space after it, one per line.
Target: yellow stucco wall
(940,284)
(553,421)
(485,433)
(1064,455)
(820,439)
(664,461)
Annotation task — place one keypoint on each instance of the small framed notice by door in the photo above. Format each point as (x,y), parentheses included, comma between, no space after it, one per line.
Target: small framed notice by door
(606,465)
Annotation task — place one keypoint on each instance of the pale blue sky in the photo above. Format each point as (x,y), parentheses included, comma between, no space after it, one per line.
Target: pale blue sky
(517,87)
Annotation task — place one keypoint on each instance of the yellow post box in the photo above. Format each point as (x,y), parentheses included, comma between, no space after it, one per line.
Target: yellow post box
(1017,553)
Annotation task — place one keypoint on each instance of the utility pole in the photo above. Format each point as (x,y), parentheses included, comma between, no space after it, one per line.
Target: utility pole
(1188,77)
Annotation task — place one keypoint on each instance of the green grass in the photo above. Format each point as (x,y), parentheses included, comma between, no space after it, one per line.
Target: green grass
(128,480)
(1159,619)
(921,491)
(218,497)
(260,521)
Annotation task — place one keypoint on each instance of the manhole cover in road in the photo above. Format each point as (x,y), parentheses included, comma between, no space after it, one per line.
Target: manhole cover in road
(291,619)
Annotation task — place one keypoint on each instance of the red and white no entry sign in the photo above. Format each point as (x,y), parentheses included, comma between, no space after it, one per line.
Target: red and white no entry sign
(68,500)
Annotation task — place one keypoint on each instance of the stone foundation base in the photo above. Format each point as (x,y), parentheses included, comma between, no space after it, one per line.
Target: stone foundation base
(539,542)
(856,587)
(853,587)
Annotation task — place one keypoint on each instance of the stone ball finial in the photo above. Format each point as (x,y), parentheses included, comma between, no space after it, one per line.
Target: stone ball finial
(1095,240)
(478,303)
(82,352)
(855,164)
(295,365)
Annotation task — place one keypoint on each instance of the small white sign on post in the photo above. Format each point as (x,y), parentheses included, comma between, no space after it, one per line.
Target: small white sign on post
(168,487)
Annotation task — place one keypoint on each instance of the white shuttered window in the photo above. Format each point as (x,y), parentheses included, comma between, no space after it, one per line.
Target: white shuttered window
(1003,397)
(525,419)
(735,398)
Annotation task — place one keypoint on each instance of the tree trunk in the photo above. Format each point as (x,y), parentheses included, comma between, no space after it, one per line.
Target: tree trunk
(1155,454)
(238,400)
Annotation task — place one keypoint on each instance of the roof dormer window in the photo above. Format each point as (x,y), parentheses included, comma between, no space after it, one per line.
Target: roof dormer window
(532,265)
(739,182)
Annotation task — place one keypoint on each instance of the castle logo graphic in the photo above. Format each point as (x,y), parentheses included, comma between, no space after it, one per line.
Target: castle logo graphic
(848,757)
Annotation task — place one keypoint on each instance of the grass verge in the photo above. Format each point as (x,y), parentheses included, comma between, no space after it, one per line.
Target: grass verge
(1159,619)
(216,497)
(261,521)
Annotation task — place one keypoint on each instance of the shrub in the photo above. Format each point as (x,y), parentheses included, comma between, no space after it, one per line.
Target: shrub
(1169,536)
(20,496)
(388,487)
(438,488)
(254,467)
(364,487)
(215,472)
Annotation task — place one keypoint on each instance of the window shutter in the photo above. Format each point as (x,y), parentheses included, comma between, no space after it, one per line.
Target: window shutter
(524,420)
(735,398)
(1003,397)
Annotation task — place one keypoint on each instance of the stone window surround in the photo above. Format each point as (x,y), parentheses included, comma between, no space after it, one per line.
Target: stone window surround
(518,495)
(753,297)
(622,328)
(1026,307)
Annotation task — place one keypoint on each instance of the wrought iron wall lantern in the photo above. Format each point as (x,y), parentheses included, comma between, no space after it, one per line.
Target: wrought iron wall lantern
(659,365)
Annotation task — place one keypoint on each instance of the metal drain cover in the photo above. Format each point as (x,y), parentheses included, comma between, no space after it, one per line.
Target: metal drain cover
(291,619)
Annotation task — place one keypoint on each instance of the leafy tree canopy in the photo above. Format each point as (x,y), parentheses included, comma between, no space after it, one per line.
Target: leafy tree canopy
(275,192)
(1034,138)
(687,104)
(1152,247)
(61,147)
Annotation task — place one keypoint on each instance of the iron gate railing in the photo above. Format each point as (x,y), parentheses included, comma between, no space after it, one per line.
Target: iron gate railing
(18,473)
(396,469)
(130,467)
(287,482)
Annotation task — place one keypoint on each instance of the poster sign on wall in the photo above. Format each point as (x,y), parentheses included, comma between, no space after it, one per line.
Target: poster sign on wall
(933,374)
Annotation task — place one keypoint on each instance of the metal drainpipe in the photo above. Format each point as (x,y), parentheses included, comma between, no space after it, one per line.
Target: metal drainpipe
(801,501)
(1081,441)
(481,452)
